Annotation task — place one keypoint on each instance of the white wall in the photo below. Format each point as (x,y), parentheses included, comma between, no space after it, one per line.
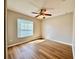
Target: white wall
(59,28)
(12,28)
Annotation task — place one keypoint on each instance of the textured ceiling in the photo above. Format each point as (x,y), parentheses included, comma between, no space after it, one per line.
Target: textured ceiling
(55,7)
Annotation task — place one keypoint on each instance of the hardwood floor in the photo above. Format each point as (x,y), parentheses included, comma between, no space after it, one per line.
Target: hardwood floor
(40,49)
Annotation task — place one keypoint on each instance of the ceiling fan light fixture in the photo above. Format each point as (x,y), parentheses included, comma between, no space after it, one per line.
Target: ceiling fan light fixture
(41,17)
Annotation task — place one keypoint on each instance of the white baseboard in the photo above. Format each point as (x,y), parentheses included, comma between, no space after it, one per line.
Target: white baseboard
(21,43)
(37,39)
(61,42)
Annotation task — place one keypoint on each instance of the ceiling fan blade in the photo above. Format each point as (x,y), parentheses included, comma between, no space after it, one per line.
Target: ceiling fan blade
(35,13)
(48,14)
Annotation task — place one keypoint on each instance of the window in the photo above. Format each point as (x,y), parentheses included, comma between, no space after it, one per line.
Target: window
(24,27)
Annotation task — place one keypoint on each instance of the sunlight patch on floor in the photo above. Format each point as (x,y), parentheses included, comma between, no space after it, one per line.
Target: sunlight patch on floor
(37,41)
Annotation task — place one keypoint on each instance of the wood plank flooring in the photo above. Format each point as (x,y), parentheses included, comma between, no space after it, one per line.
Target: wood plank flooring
(40,49)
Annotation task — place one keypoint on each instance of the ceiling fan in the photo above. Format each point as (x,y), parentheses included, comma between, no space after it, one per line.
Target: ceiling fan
(42,13)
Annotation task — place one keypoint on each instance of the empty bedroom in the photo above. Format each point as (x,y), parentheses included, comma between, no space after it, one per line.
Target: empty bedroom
(39,29)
